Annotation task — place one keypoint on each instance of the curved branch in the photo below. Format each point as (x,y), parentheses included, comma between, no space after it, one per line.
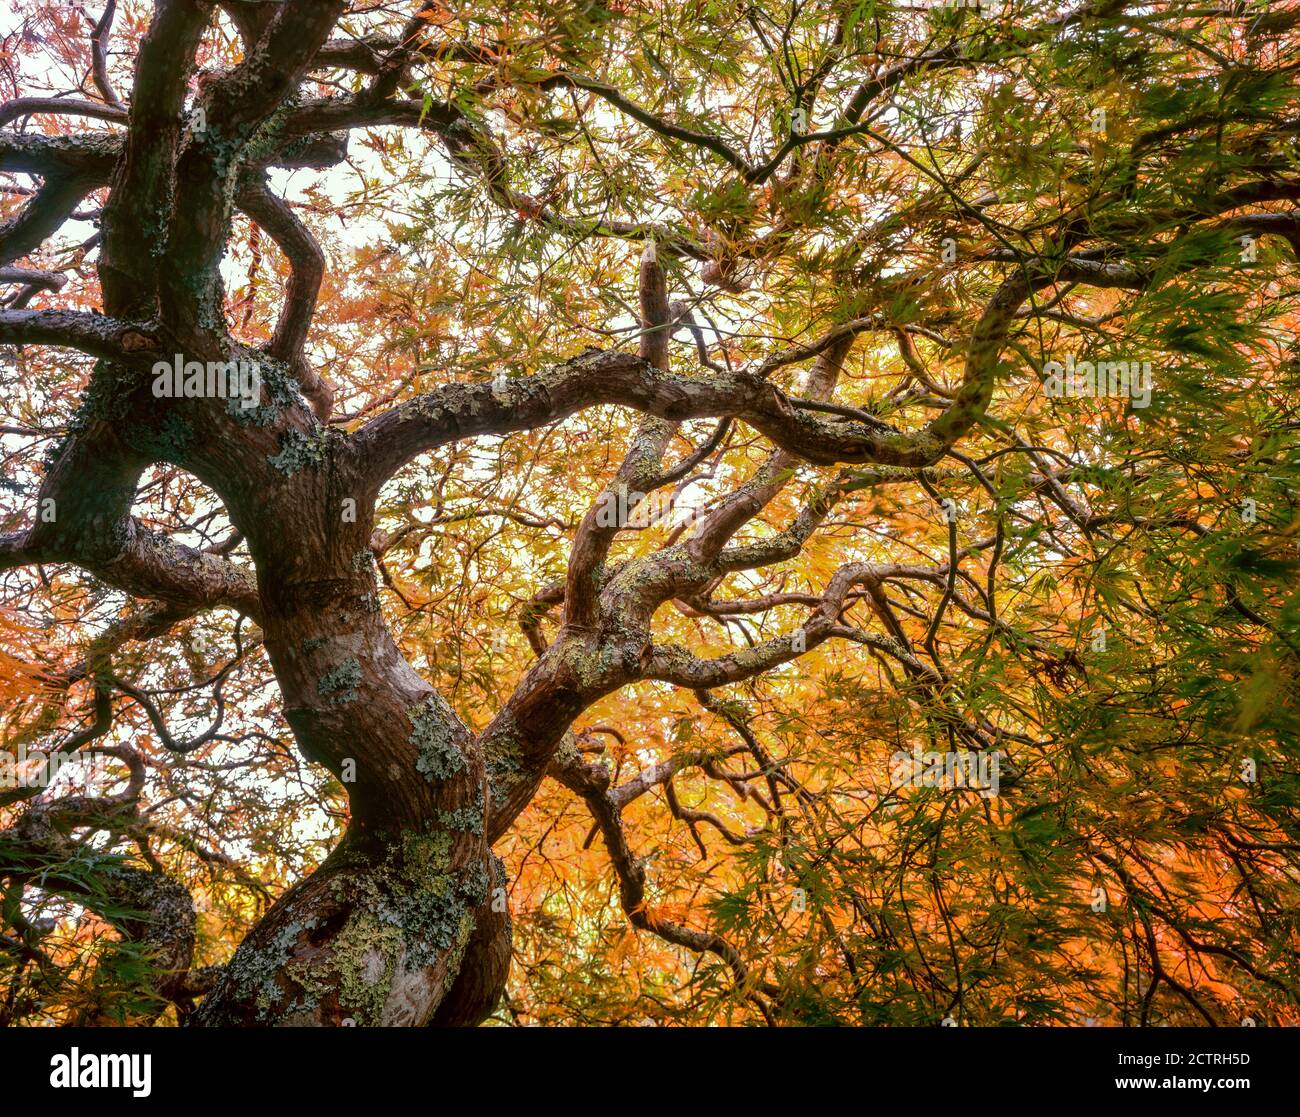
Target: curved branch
(42,216)
(21,107)
(598,377)
(99,55)
(91,333)
(591,782)
(307,269)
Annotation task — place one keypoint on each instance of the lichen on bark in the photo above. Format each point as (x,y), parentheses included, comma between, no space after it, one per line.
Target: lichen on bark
(439,756)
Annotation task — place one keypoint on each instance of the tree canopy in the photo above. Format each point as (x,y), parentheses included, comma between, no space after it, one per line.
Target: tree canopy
(608,512)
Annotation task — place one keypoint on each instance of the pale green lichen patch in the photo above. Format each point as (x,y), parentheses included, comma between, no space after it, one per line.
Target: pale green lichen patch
(339,685)
(281,392)
(476,884)
(467,818)
(566,752)
(504,760)
(592,666)
(439,758)
(504,771)
(266,140)
(435,908)
(298,450)
(168,441)
(399,914)
(255,972)
(363,959)
(408,910)
(107,398)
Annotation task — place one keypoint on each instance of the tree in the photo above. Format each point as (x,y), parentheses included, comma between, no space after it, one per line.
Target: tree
(848,449)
